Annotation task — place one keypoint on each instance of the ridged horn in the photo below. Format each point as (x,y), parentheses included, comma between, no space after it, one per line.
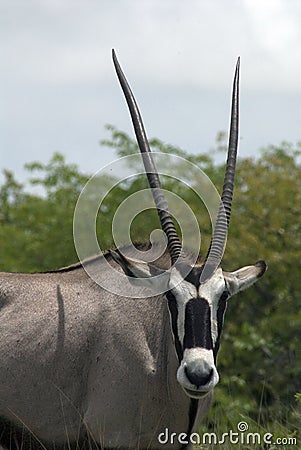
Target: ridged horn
(218,241)
(173,242)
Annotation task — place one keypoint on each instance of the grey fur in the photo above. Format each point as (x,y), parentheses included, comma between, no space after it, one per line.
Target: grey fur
(77,361)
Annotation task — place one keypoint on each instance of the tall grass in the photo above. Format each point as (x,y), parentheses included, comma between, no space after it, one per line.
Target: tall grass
(281,432)
(228,426)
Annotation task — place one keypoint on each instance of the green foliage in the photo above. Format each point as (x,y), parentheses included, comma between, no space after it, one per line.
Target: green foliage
(259,359)
(260,362)
(36,230)
(124,145)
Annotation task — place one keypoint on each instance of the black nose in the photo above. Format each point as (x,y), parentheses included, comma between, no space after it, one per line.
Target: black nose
(198,373)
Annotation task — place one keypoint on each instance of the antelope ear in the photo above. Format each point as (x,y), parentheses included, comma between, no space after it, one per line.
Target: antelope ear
(141,274)
(243,278)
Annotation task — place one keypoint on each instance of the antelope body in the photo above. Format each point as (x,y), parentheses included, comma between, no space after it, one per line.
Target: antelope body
(82,368)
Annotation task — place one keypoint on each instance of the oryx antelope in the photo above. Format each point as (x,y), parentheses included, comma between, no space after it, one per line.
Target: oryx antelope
(84,368)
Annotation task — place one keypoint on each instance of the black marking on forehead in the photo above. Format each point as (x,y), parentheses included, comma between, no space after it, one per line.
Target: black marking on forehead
(173,308)
(194,273)
(198,324)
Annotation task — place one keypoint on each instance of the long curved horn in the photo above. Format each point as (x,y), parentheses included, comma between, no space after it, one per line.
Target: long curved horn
(173,242)
(218,241)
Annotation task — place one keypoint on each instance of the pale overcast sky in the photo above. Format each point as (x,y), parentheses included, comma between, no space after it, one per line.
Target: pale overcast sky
(58,88)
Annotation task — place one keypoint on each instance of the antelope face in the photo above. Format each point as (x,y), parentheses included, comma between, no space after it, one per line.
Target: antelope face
(197,314)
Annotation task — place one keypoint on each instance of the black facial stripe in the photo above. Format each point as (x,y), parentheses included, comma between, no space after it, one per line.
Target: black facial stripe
(222,305)
(173,308)
(198,324)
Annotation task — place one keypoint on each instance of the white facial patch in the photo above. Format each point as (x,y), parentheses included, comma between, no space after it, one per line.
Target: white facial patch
(184,291)
(211,291)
